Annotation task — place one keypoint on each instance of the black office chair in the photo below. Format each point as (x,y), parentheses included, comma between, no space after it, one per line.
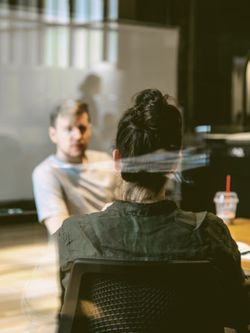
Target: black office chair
(142,296)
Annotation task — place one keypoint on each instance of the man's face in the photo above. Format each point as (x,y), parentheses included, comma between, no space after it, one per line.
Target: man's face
(71,137)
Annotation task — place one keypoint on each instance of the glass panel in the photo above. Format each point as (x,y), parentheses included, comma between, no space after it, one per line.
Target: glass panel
(57,47)
(88,10)
(96,10)
(4,8)
(57,11)
(4,42)
(50,46)
(50,10)
(33,47)
(80,47)
(37,74)
(27,9)
(32,7)
(96,46)
(82,11)
(62,11)
(18,46)
(63,47)
(112,46)
(113,10)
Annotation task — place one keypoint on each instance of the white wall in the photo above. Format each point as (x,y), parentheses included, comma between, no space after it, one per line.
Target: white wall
(40,66)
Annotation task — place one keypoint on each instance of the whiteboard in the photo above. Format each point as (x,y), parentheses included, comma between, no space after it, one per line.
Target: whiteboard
(42,65)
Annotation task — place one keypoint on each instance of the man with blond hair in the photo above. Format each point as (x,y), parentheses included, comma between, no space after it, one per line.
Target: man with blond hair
(75,180)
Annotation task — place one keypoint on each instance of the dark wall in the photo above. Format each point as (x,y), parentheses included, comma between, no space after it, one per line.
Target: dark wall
(212,32)
(158,11)
(221,32)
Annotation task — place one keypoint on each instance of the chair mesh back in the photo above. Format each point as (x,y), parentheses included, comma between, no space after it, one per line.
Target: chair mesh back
(129,307)
(122,305)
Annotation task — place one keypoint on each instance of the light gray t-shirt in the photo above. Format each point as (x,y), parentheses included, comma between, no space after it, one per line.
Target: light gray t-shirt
(65,188)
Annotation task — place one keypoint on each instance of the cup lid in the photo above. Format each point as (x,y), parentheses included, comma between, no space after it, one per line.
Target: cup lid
(221,195)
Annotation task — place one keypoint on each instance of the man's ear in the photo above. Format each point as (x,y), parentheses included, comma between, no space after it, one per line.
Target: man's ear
(52,134)
(116,158)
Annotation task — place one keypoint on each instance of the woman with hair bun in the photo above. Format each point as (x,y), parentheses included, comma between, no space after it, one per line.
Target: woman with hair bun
(144,223)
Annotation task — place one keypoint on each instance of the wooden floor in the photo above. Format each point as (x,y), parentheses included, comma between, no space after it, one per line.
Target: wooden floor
(29,291)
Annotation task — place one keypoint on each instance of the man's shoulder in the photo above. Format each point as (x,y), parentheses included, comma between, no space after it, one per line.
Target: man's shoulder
(47,164)
(97,156)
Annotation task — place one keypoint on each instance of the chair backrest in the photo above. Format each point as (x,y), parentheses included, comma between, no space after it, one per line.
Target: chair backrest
(142,296)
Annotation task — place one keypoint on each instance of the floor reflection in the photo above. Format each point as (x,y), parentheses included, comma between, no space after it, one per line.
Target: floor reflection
(28,280)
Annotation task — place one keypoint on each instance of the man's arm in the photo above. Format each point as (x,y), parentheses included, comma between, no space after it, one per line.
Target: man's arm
(55,222)
(49,198)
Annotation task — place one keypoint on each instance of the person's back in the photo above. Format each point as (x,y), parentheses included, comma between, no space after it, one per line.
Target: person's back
(159,230)
(144,224)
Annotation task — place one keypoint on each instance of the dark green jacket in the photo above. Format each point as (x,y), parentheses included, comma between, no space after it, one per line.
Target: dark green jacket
(158,230)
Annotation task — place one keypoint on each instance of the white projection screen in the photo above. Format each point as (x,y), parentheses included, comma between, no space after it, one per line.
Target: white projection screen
(41,65)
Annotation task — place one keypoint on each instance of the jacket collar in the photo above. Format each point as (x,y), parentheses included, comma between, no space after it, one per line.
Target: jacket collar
(165,207)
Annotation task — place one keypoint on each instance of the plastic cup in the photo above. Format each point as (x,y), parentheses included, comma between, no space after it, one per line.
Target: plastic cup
(226,205)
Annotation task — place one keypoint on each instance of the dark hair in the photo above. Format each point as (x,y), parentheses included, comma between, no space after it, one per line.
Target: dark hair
(70,107)
(149,125)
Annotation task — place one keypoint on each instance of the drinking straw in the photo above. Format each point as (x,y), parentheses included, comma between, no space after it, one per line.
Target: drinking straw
(228,187)
(228,184)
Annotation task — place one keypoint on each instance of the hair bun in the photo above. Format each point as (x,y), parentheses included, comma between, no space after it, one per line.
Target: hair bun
(149,125)
(149,99)
(149,110)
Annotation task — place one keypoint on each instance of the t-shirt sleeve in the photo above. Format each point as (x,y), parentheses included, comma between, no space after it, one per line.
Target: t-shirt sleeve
(48,194)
